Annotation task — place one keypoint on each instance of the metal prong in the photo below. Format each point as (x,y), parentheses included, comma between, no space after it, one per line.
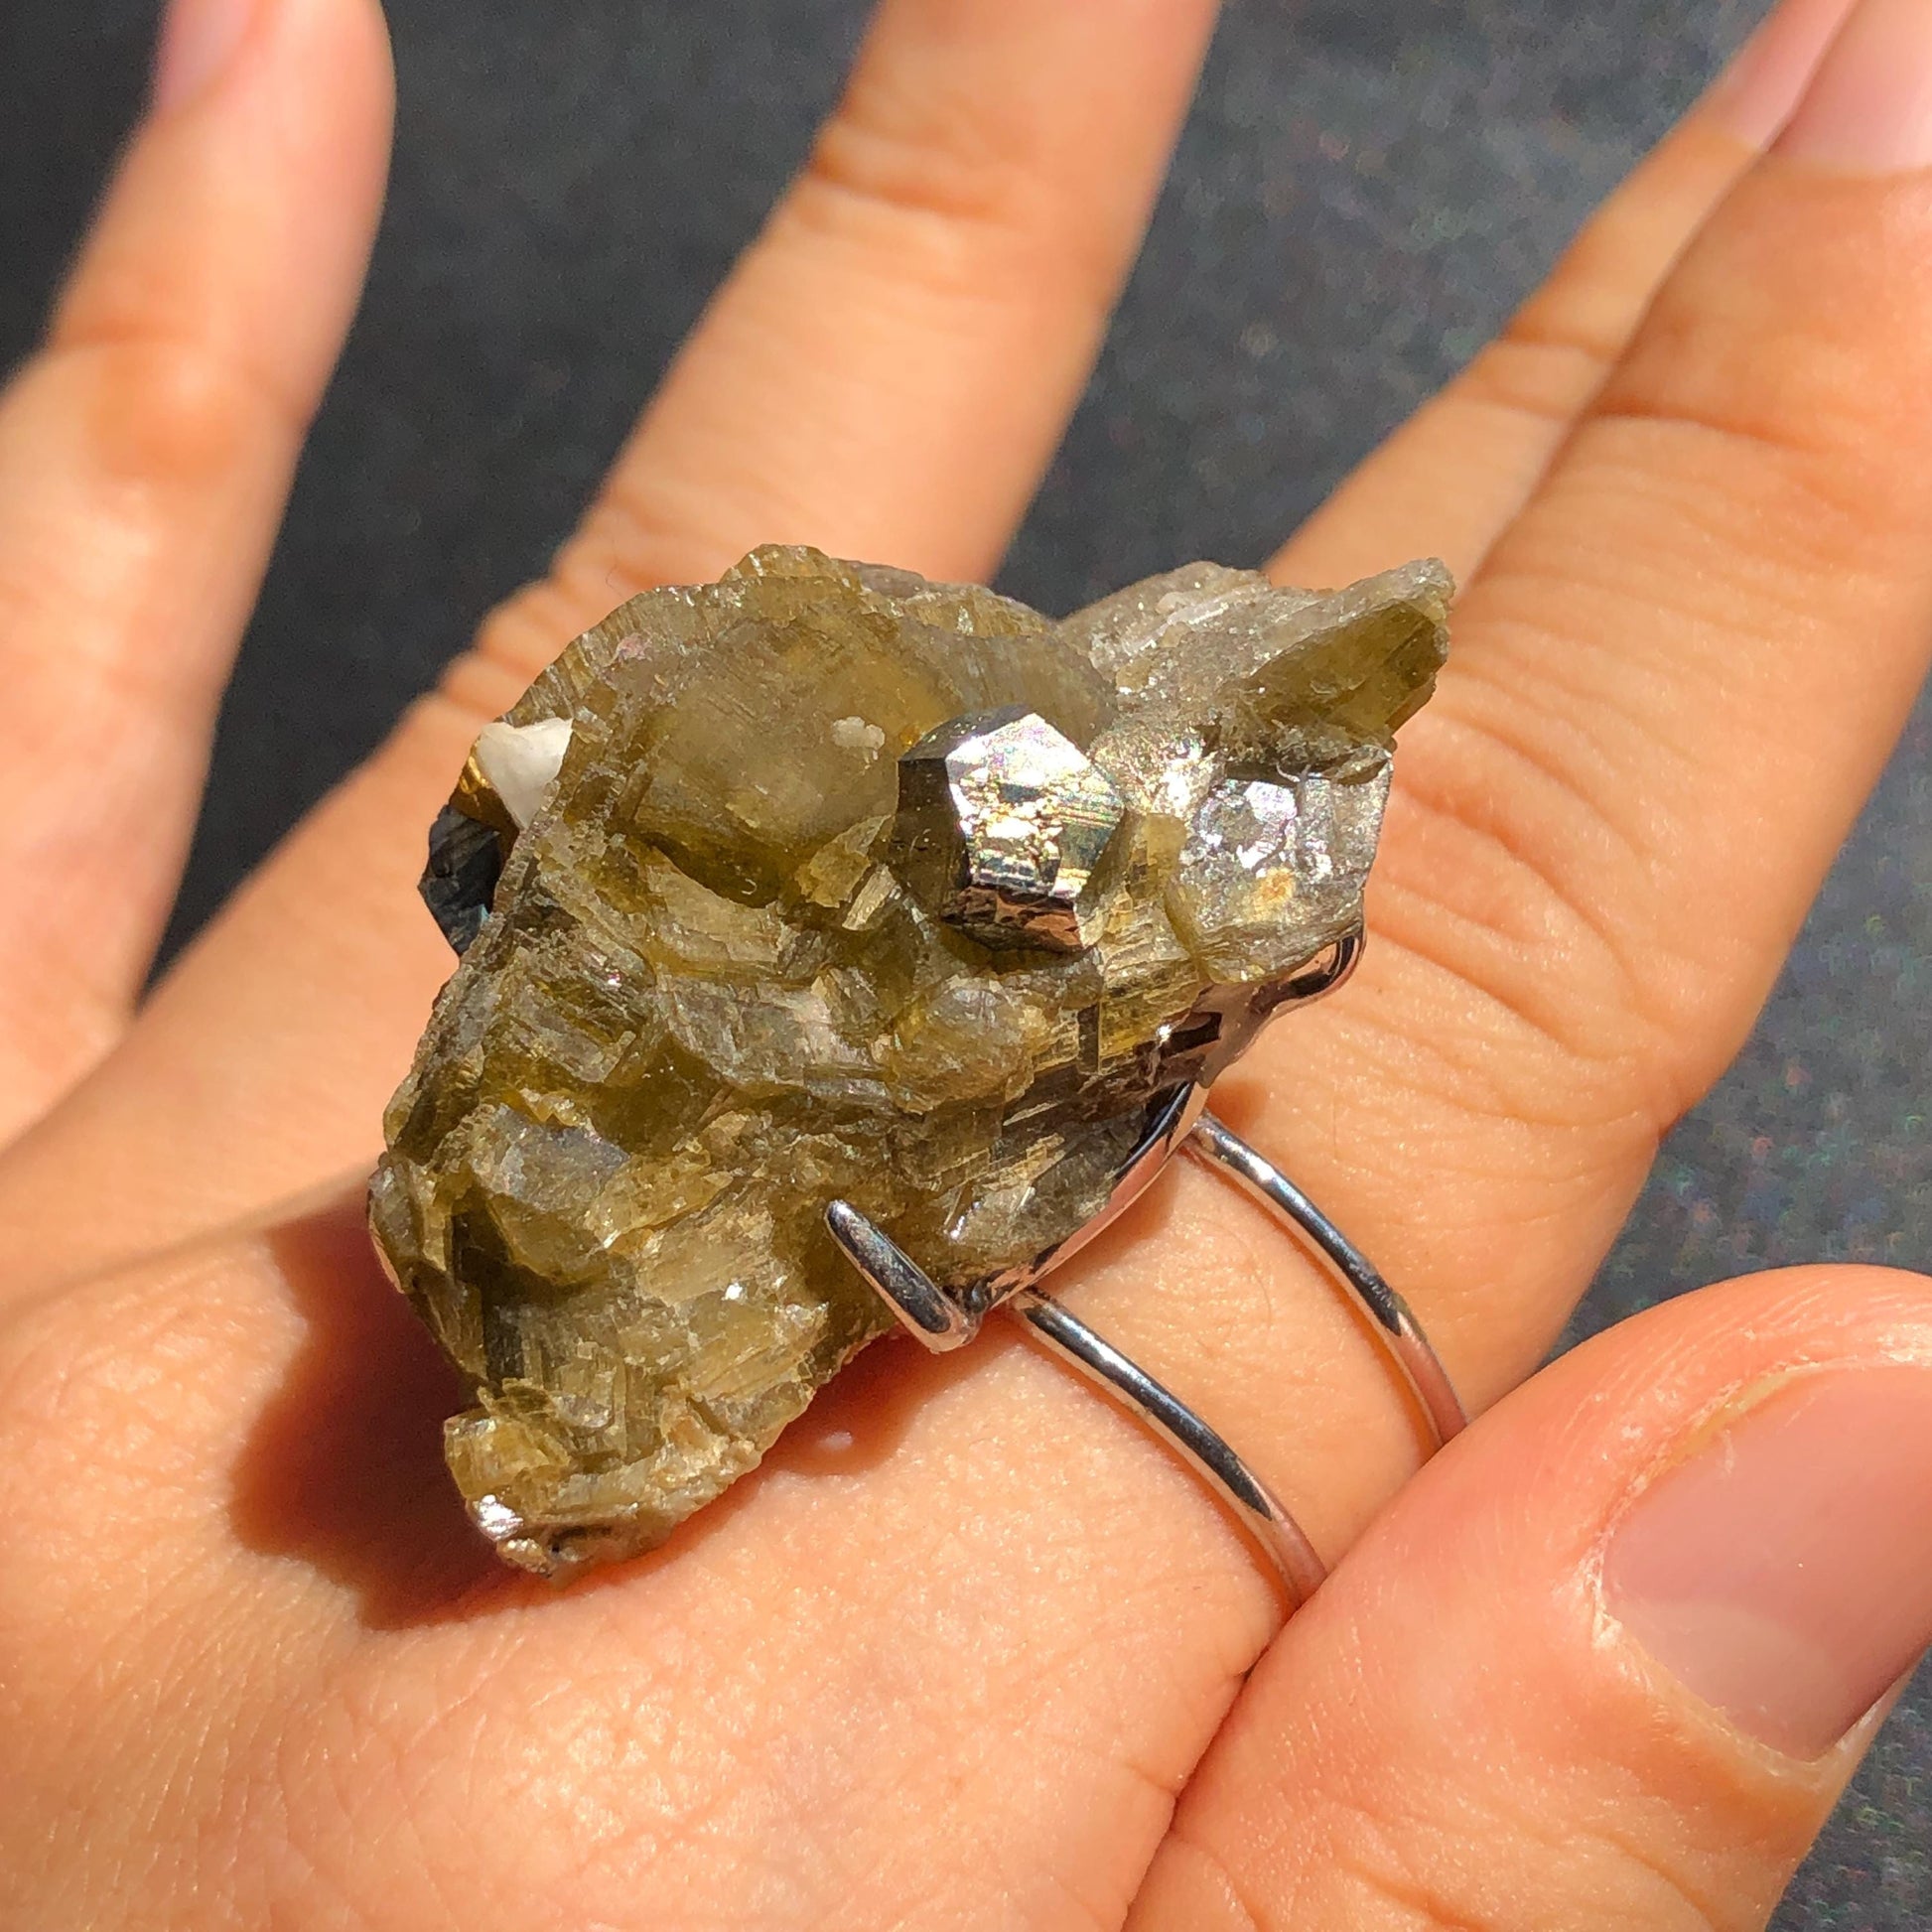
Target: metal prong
(1394,1322)
(1259,1511)
(1169,1120)
(1327,972)
(938,1320)
(922,1305)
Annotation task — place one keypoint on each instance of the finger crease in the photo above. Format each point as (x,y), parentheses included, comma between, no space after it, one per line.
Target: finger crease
(291,411)
(1520,849)
(1565,1029)
(1528,329)
(1757,439)
(1548,382)
(926,180)
(982,229)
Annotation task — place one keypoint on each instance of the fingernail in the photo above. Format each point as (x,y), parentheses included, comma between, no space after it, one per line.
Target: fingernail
(1784,1571)
(198,38)
(1869,106)
(1755,94)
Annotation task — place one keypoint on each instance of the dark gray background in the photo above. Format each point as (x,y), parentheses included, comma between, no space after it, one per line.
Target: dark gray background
(1365,189)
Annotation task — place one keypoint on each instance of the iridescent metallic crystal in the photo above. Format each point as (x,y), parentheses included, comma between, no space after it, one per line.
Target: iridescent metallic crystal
(824,882)
(1002,830)
(1267,860)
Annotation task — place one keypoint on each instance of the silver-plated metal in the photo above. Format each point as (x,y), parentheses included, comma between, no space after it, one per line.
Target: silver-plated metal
(925,1308)
(1327,972)
(1214,1144)
(922,1303)
(1169,1120)
(944,1320)
(1256,1507)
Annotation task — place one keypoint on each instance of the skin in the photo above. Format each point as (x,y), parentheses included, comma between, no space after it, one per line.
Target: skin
(952,1656)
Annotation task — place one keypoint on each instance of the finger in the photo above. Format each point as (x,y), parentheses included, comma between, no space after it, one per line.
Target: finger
(144,456)
(884,374)
(1676,678)
(1673,682)
(1608,1662)
(1448,482)
(888,369)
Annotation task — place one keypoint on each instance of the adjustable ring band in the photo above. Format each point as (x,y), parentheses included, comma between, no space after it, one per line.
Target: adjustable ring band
(943,1320)
(1257,1508)
(1216,1145)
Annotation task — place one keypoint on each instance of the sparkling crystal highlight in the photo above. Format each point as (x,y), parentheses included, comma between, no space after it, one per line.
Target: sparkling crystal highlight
(827,881)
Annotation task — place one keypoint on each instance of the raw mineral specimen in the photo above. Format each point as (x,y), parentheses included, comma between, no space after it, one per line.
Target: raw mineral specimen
(825,882)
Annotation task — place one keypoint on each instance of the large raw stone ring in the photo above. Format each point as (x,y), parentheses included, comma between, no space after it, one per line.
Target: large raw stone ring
(839,950)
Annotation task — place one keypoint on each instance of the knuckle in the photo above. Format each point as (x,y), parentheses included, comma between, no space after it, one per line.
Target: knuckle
(1723,471)
(1542,381)
(942,193)
(1543,365)
(1783,363)
(109,1394)
(166,411)
(58,1508)
(942,153)
(42,1369)
(944,170)
(75,1398)
(1387,1863)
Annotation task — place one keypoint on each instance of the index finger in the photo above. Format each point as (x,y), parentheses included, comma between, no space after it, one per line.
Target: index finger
(145,454)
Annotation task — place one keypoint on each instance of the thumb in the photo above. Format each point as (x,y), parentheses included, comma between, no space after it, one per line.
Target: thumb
(1608,1661)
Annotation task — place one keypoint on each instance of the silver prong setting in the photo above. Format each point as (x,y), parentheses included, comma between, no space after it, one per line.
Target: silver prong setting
(943,1320)
(924,1309)
(1327,972)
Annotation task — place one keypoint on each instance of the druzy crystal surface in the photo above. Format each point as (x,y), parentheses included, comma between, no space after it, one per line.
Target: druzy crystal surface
(825,882)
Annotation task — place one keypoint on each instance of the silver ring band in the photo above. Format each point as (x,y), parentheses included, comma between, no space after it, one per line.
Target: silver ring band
(943,1320)
(1263,1514)
(1393,1322)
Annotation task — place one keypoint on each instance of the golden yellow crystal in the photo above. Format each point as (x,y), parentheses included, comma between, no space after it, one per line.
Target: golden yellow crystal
(826,882)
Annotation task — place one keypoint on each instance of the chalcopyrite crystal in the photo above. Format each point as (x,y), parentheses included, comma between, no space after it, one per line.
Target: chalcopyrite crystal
(825,882)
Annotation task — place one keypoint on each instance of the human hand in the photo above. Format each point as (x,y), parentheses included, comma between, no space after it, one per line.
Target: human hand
(949,1658)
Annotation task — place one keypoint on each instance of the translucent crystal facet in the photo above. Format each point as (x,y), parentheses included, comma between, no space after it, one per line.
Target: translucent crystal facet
(827,881)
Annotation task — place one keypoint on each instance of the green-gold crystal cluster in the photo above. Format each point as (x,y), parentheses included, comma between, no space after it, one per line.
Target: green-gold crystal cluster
(820,882)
